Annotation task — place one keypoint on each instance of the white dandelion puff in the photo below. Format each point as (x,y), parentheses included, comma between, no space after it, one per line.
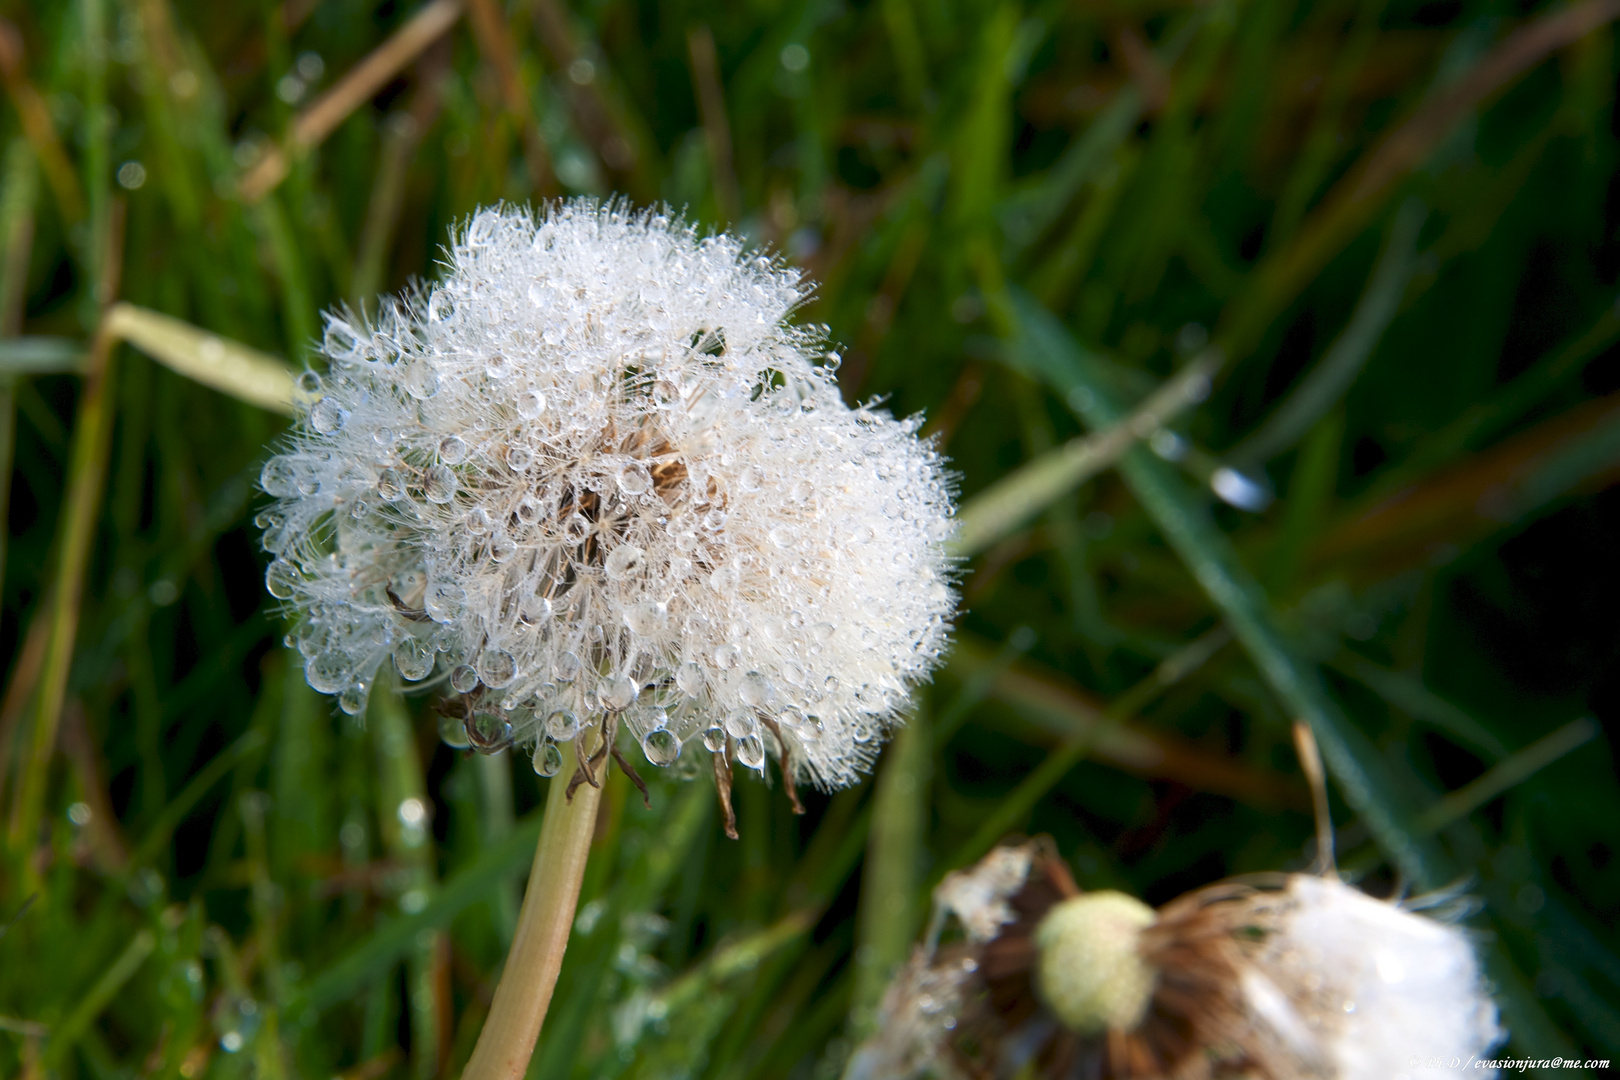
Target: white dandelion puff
(1368,989)
(596,472)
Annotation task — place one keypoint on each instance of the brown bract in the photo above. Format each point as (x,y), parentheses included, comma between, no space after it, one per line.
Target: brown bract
(971,1009)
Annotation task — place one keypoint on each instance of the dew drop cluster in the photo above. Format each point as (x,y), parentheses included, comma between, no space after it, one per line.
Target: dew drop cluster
(595,469)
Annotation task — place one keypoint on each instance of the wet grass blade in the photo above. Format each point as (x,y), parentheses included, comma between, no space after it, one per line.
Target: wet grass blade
(1045,348)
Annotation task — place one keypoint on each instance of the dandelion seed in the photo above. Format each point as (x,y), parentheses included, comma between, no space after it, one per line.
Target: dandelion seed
(625,484)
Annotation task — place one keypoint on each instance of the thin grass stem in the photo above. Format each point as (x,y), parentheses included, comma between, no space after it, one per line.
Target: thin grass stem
(888,917)
(354,89)
(227,366)
(1513,771)
(87,469)
(998,511)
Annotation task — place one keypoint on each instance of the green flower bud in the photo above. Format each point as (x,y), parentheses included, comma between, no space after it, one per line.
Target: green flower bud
(1089,968)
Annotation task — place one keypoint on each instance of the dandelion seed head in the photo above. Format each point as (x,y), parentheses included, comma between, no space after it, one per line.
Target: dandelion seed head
(596,467)
(1369,986)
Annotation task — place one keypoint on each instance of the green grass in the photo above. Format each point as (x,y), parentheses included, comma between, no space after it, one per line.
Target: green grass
(1399,231)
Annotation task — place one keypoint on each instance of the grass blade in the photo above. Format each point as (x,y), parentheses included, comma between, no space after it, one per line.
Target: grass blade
(1045,349)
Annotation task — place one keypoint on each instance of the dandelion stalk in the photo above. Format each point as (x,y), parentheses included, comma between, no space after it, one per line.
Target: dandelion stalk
(524,993)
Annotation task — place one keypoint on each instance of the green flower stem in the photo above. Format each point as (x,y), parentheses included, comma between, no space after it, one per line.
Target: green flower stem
(524,993)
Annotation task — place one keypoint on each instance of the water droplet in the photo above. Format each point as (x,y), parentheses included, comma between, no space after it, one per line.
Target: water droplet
(714,740)
(453,449)
(502,547)
(690,679)
(453,733)
(617,694)
(568,666)
(741,723)
(390,485)
(519,458)
(751,752)
(624,561)
(576,527)
(439,484)
(497,667)
(281,579)
(755,690)
(310,383)
(748,479)
(463,679)
(802,490)
(340,340)
(686,542)
(726,657)
(714,519)
(443,601)
(328,672)
(497,366)
(421,381)
(634,479)
(823,631)
(547,759)
(537,609)
(562,725)
(328,416)
(353,699)
(782,536)
(441,305)
(414,657)
(477,521)
(644,617)
(661,747)
(529,510)
(490,732)
(655,718)
(530,404)
(279,477)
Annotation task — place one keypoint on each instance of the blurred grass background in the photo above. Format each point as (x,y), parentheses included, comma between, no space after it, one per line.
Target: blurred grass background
(1394,517)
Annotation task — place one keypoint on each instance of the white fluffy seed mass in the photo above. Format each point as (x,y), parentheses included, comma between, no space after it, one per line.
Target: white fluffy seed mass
(1368,990)
(596,470)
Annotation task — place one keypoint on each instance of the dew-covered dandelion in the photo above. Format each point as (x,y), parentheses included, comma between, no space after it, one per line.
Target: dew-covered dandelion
(595,479)
(1293,977)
